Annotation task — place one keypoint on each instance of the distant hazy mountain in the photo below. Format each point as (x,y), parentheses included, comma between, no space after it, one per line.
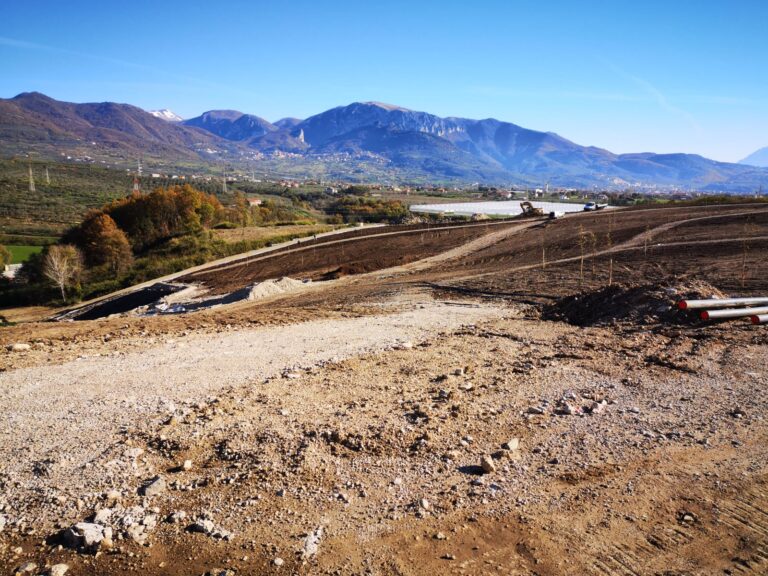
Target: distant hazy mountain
(287,122)
(166,114)
(759,158)
(247,129)
(347,140)
(491,150)
(232,125)
(33,121)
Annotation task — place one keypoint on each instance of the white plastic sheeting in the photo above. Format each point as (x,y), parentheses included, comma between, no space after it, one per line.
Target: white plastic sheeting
(504,208)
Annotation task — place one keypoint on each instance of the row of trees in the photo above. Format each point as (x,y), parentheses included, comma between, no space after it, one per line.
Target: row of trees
(146,235)
(104,244)
(366,209)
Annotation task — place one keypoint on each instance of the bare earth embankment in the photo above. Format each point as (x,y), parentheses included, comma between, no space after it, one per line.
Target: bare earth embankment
(442,405)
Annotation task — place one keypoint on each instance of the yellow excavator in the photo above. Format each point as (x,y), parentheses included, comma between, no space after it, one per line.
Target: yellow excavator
(529,210)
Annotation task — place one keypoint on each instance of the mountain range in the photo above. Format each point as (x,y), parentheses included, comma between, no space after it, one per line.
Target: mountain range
(166,114)
(33,122)
(405,144)
(758,158)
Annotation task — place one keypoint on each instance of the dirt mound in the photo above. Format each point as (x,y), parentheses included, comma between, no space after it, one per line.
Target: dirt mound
(272,287)
(648,303)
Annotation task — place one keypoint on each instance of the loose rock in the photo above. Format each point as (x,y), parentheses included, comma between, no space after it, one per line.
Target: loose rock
(513,444)
(19,347)
(87,535)
(312,542)
(58,570)
(486,463)
(155,487)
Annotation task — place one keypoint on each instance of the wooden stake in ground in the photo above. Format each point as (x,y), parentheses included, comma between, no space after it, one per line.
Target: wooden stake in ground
(744,250)
(645,241)
(582,242)
(609,239)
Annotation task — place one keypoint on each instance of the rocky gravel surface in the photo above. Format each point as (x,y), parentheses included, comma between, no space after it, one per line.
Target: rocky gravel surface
(470,413)
(452,437)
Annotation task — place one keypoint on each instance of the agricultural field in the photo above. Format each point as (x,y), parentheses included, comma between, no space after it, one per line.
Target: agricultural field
(266,233)
(21,254)
(59,201)
(518,396)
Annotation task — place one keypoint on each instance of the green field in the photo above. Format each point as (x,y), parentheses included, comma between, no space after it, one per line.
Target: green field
(22,253)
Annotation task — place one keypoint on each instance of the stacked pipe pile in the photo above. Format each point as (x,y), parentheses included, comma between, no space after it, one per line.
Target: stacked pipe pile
(723,308)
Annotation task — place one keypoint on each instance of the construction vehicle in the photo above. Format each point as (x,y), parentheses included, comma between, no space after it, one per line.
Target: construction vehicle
(529,209)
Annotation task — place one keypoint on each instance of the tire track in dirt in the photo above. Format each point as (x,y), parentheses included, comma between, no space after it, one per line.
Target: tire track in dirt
(748,512)
(248,261)
(638,242)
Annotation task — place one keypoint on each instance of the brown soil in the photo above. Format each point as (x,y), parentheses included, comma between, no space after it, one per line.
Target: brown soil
(643,442)
(645,304)
(360,252)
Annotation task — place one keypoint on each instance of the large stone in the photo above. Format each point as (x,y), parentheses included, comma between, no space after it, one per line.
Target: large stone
(19,347)
(58,570)
(312,543)
(513,444)
(86,535)
(137,533)
(207,527)
(102,516)
(155,487)
(486,463)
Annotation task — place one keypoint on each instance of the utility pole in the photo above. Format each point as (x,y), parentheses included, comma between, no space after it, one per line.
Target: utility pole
(47,177)
(137,178)
(31,178)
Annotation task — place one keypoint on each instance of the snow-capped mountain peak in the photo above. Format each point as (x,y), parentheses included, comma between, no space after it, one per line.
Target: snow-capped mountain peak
(167,115)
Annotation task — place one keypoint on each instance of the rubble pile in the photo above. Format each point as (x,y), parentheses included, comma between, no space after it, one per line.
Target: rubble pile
(647,303)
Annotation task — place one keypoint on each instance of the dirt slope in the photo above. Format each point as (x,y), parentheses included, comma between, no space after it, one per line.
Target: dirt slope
(341,429)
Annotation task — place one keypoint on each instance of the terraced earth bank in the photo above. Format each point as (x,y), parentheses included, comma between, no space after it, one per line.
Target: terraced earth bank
(428,404)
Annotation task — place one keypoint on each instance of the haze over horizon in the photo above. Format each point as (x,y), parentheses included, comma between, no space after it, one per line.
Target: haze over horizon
(657,77)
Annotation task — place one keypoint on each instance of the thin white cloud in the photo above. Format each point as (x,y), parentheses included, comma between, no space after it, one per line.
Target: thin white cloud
(651,95)
(496,91)
(658,96)
(25,45)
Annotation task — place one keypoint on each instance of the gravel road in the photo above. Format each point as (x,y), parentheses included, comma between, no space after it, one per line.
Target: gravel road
(86,402)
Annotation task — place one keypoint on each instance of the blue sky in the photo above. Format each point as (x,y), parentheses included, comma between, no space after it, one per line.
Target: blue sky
(662,76)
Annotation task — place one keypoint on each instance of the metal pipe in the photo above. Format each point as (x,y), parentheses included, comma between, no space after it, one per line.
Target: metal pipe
(760,319)
(720,302)
(732,313)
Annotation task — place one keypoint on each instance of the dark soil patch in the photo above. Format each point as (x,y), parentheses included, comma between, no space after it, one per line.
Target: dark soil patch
(648,303)
(124,303)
